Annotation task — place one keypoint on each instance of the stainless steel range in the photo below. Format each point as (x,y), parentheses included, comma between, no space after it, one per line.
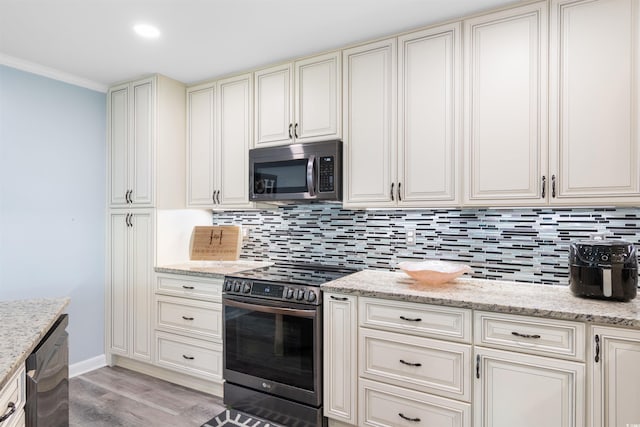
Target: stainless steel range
(273,342)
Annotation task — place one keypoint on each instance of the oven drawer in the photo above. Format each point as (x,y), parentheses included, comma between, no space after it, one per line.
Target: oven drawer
(556,338)
(382,405)
(189,287)
(197,318)
(423,364)
(189,355)
(14,393)
(417,319)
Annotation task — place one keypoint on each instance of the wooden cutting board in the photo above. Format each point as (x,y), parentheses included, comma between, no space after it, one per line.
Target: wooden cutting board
(216,243)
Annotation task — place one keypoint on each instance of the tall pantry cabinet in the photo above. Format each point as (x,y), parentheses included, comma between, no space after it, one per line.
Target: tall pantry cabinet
(146,151)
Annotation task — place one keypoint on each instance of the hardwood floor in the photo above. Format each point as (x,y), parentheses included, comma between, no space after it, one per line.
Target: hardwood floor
(110,397)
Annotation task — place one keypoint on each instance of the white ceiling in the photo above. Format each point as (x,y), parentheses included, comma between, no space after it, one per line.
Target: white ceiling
(93,40)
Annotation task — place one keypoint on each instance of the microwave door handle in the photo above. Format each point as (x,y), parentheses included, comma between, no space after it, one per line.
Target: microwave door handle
(310,175)
(271,310)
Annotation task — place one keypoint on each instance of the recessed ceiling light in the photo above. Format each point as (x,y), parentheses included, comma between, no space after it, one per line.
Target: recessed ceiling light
(147,31)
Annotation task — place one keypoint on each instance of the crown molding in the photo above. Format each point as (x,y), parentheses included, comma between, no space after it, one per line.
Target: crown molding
(51,73)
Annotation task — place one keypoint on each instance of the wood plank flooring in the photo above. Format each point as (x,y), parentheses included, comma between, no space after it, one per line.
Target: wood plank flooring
(110,397)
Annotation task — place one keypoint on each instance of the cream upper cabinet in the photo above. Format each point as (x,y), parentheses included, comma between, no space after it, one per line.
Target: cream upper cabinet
(219,136)
(298,102)
(369,102)
(505,147)
(594,101)
(146,143)
(615,369)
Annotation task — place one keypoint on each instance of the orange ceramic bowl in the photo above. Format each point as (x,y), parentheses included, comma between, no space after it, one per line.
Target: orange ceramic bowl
(433,272)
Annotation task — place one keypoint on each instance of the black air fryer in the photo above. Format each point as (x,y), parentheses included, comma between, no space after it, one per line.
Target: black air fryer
(604,269)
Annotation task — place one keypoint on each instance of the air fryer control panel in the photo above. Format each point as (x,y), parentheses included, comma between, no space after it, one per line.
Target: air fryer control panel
(604,254)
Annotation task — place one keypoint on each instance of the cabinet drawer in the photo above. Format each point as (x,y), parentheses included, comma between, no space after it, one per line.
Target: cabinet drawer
(189,287)
(417,319)
(13,394)
(189,355)
(558,338)
(198,318)
(386,405)
(424,364)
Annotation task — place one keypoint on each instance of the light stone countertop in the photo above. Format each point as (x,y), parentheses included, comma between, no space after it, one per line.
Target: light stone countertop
(211,268)
(23,324)
(551,301)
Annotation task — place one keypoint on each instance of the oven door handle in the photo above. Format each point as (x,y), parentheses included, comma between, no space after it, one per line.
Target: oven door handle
(271,310)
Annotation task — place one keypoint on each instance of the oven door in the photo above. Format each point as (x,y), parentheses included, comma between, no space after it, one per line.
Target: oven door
(274,347)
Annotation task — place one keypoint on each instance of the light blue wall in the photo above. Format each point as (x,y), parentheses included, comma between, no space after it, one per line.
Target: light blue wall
(52,200)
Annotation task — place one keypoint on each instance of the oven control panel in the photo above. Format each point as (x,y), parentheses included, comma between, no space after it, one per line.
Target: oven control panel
(295,293)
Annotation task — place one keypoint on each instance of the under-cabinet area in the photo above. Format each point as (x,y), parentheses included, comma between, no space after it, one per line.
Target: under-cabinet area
(398,353)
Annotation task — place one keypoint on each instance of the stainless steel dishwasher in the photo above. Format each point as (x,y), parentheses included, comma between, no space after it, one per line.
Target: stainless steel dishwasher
(47,402)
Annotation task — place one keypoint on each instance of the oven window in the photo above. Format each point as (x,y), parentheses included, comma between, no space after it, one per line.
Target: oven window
(280,177)
(275,347)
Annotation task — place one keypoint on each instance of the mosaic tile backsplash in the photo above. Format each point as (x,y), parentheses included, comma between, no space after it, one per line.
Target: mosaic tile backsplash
(525,245)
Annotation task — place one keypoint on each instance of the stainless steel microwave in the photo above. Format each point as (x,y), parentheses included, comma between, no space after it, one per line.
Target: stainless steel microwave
(296,173)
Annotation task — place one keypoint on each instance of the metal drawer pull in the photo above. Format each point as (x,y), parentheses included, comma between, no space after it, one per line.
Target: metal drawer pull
(404,417)
(339,298)
(11,409)
(187,318)
(408,319)
(517,334)
(409,363)
(187,287)
(188,357)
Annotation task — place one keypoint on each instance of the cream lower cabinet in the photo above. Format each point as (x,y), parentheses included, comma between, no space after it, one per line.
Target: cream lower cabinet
(615,377)
(12,400)
(513,387)
(129,283)
(188,329)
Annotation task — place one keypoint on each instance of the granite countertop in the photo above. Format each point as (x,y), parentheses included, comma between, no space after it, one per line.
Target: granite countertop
(551,301)
(211,268)
(24,323)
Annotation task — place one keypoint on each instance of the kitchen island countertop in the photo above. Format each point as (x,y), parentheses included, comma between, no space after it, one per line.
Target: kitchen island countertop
(24,323)
(211,268)
(551,301)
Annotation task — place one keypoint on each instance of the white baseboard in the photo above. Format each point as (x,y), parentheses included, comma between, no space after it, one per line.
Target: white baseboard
(87,365)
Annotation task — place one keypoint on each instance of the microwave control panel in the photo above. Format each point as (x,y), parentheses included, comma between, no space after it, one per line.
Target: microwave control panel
(327,174)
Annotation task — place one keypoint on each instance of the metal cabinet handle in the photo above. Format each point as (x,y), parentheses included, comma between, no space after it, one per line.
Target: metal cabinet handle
(404,417)
(290,126)
(126,220)
(553,186)
(399,195)
(392,185)
(339,298)
(409,363)
(597,358)
(188,357)
(218,197)
(11,408)
(187,287)
(187,318)
(408,319)
(478,366)
(295,130)
(517,334)
(544,186)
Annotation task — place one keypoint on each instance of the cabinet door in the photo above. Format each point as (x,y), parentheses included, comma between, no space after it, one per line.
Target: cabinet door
(118,144)
(514,389)
(428,113)
(273,100)
(141,262)
(506,107)
(317,98)
(595,92)
(200,145)
(141,147)
(615,386)
(370,98)
(340,357)
(234,141)
(118,284)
